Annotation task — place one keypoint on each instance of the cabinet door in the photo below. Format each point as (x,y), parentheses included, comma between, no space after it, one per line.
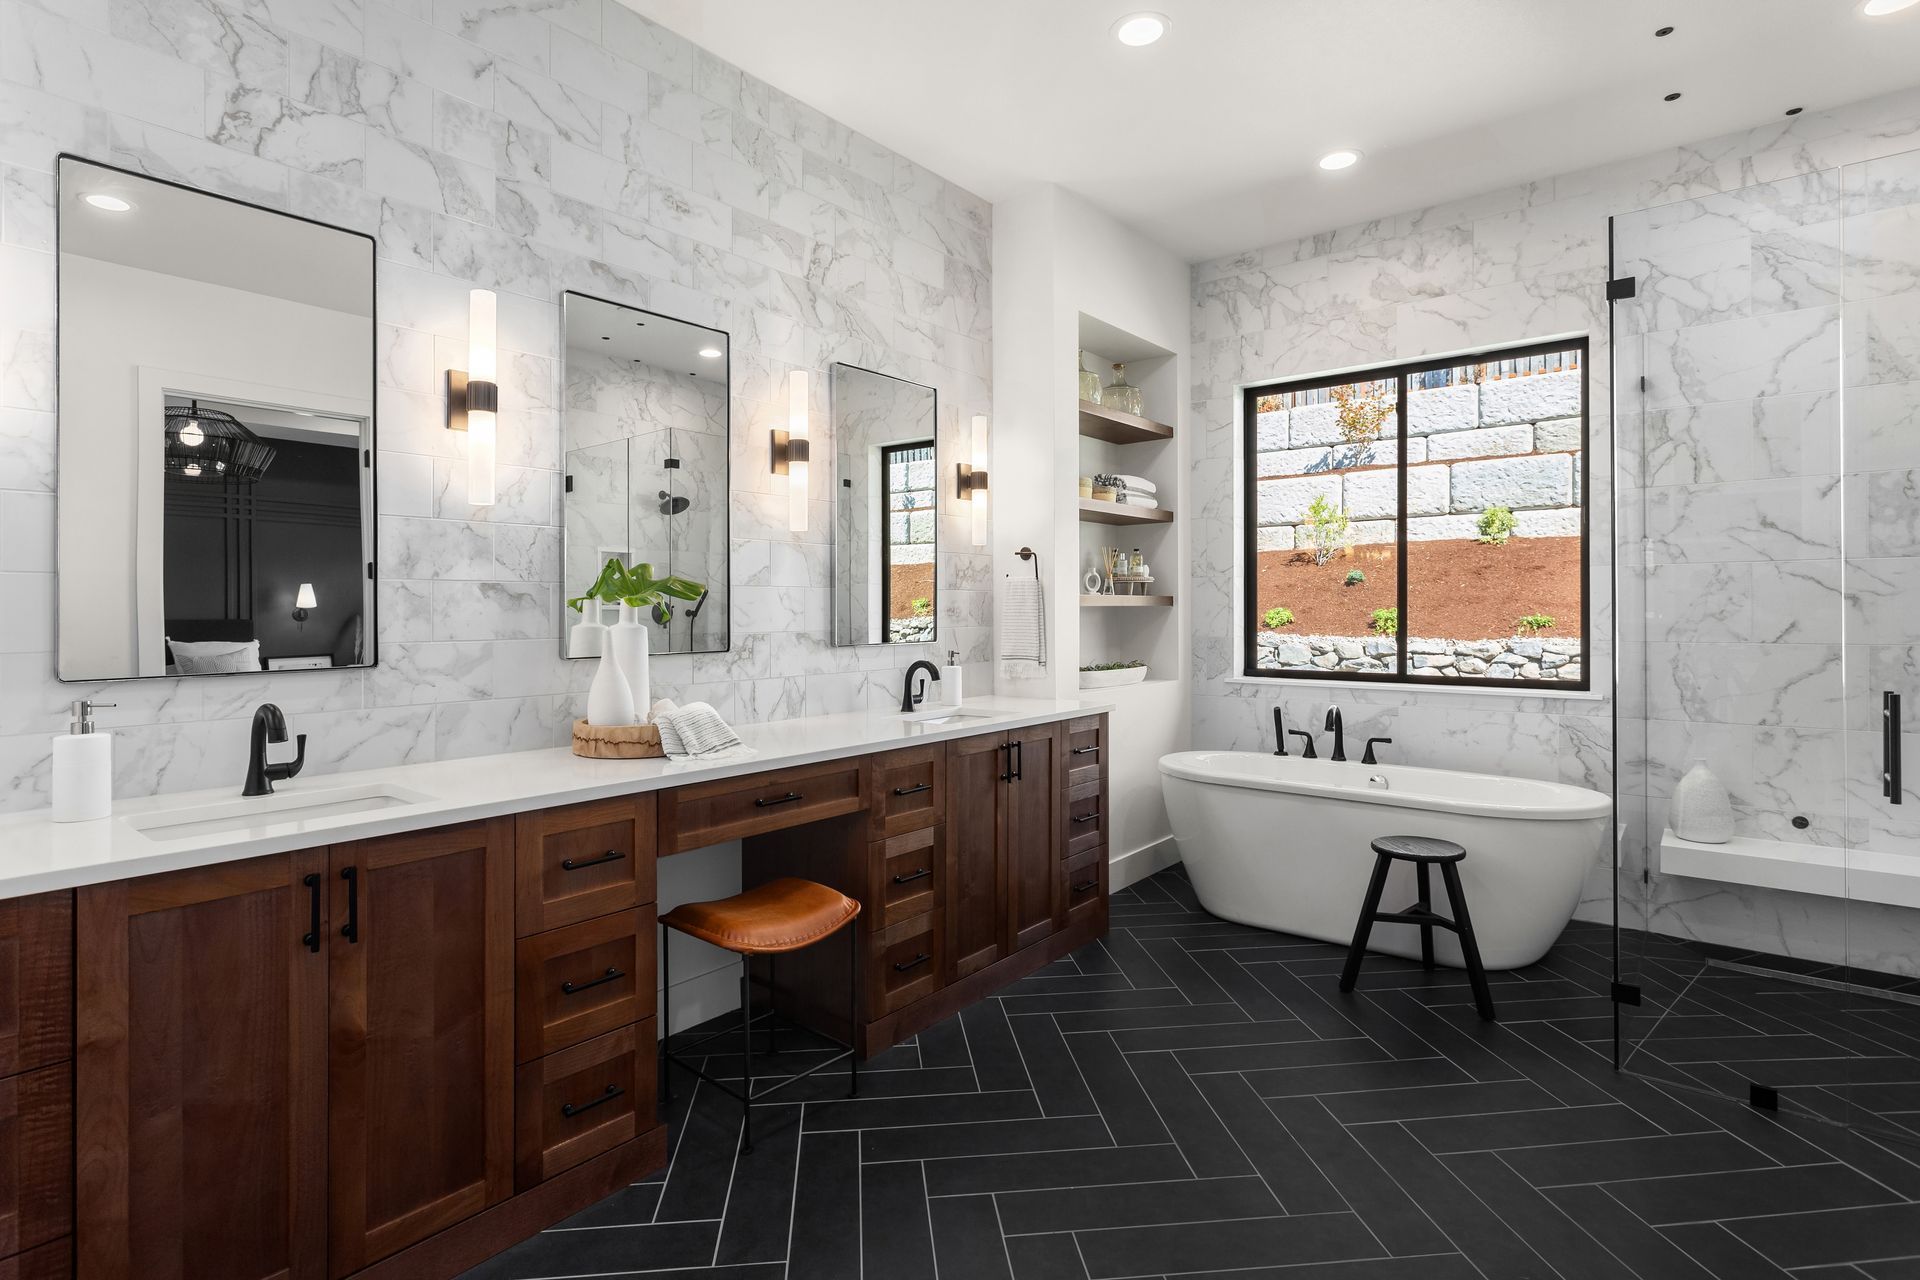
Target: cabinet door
(201,1071)
(420,1011)
(1036,896)
(974,831)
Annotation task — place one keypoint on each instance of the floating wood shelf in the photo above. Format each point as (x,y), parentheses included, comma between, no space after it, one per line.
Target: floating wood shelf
(1115,427)
(1097,512)
(1123,602)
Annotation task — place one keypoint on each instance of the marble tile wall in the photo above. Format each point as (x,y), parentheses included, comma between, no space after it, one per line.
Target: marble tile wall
(1530,261)
(528,148)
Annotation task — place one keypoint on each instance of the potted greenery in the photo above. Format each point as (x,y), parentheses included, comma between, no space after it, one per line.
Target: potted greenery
(1103,675)
(622,690)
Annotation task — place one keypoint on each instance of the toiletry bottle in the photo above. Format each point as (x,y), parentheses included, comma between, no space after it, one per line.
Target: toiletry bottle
(950,679)
(82,768)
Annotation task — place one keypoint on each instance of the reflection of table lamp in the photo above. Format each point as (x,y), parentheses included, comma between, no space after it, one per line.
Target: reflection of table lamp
(303,600)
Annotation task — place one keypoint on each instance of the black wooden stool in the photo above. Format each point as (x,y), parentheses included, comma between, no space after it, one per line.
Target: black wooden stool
(1422,852)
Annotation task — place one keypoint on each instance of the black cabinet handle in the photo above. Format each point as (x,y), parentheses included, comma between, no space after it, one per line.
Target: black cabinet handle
(1085,885)
(1081,751)
(570,988)
(312,939)
(569,1110)
(1890,786)
(351,929)
(1008,775)
(1089,817)
(913,791)
(911,876)
(611,855)
(767,802)
(914,963)
(1019,759)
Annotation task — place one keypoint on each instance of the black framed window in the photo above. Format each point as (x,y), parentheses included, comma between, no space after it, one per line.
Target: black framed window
(1421,523)
(907,569)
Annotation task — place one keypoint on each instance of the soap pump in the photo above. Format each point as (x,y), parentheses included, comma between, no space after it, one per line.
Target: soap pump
(950,679)
(82,768)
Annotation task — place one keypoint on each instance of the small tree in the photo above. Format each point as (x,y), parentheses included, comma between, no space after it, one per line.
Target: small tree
(1363,411)
(1328,528)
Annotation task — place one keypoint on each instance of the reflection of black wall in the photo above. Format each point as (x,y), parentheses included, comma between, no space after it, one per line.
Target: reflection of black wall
(235,556)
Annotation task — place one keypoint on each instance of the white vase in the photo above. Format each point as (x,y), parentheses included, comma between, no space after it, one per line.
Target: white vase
(585,639)
(1700,810)
(609,701)
(627,643)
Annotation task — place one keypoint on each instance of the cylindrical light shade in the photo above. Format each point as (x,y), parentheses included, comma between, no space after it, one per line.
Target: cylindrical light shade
(979,495)
(482,366)
(304,599)
(797,466)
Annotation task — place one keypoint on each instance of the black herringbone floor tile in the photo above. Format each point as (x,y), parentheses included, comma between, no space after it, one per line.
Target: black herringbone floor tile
(1196,1100)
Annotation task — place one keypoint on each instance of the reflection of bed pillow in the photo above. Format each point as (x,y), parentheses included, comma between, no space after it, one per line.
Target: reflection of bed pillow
(208,657)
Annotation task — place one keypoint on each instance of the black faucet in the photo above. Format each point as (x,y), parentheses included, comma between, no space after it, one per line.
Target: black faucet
(908,698)
(1339,732)
(1367,758)
(270,726)
(1279,733)
(1307,738)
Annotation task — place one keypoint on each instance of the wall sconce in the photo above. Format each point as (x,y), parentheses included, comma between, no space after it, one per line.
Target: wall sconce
(791,451)
(973,480)
(473,398)
(303,600)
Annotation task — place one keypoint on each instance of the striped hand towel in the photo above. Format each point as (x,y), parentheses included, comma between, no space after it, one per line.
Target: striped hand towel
(1023,631)
(693,730)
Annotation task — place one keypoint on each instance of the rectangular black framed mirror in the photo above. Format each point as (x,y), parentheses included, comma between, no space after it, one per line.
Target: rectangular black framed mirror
(216,433)
(886,517)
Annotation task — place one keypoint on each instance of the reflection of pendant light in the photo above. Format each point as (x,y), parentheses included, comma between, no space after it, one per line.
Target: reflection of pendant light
(213,447)
(303,600)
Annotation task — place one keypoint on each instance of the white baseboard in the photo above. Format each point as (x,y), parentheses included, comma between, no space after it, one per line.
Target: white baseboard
(1130,868)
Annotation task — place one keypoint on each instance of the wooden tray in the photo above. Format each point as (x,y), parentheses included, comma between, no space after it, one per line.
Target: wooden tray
(616,742)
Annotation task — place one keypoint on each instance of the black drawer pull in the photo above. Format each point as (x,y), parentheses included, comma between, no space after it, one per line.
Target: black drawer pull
(911,876)
(1088,817)
(914,963)
(351,929)
(913,791)
(570,1111)
(1085,885)
(570,988)
(611,855)
(1081,751)
(311,941)
(767,802)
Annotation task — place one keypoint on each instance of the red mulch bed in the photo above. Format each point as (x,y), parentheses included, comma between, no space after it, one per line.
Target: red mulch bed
(910,582)
(1462,590)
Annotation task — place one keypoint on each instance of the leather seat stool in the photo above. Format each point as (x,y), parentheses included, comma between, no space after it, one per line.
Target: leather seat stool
(767,920)
(1423,852)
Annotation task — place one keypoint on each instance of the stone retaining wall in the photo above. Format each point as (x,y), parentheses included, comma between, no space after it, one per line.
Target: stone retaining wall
(1516,658)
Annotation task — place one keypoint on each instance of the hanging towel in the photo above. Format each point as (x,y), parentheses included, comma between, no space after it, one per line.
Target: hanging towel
(1136,484)
(1023,631)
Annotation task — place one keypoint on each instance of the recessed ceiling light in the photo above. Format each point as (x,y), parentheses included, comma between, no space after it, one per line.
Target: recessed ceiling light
(1342,159)
(1137,29)
(710,353)
(1664,31)
(112,204)
(1672,97)
(1881,8)
(1794,111)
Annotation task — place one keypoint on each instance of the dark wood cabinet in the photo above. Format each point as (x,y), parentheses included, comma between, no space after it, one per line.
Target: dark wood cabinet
(420,1035)
(201,1072)
(975,830)
(1035,839)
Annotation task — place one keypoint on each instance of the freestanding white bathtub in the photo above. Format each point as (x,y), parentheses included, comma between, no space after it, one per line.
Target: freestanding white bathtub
(1282,843)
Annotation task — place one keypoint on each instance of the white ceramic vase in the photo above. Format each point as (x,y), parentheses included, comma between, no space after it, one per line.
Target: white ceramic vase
(609,701)
(627,644)
(1700,810)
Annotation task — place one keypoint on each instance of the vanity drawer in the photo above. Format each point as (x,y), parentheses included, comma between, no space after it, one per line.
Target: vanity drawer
(907,961)
(1086,750)
(36,981)
(909,789)
(572,1105)
(1086,819)
(1086,877)
(36,1158)
(907,875)
(581,981)
(582,860)
(711,812)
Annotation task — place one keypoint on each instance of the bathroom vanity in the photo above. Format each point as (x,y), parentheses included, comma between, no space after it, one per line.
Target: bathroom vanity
(388,1024)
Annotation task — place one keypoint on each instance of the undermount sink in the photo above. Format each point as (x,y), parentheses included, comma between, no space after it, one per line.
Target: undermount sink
(228,816)
(945,717)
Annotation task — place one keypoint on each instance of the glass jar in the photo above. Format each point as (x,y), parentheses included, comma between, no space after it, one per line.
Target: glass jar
(1089,381)
(1123,395)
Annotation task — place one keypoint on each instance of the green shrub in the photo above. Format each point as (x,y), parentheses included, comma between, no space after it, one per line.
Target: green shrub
(1386,622)
(922,607)
(1533,624)
(1355,577)
(1277,617)
(1328,529)
(1496,525)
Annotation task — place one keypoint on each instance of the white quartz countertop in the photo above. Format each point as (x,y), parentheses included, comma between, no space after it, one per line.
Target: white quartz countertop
(38,855)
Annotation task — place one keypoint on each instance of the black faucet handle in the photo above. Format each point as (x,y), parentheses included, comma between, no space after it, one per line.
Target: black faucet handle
(281,772)
(1307,738)
(1368,758)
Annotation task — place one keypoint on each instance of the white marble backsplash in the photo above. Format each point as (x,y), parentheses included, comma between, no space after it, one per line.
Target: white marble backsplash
(527,148)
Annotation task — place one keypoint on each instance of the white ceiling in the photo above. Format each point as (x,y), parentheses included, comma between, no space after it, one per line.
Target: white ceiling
(599,328)
(1207,141)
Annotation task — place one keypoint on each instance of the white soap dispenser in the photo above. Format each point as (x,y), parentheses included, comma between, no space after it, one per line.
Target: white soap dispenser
(950,679)
(82,768)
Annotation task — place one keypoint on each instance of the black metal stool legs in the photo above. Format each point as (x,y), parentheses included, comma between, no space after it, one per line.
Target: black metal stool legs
(746,1057)
(666,1019)
(1426,926)
(1364,929)
(1469,945)
(1422,852)
(853,1010)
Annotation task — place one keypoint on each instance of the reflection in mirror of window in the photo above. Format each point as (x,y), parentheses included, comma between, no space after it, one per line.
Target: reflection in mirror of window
(886,509)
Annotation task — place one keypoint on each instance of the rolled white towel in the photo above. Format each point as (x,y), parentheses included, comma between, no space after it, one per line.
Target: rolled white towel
(1138,484)
(1128,498)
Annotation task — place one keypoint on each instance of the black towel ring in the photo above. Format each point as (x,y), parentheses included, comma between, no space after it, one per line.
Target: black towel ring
(1028,553)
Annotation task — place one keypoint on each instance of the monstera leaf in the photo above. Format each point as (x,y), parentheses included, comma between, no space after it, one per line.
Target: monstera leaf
(618,584)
